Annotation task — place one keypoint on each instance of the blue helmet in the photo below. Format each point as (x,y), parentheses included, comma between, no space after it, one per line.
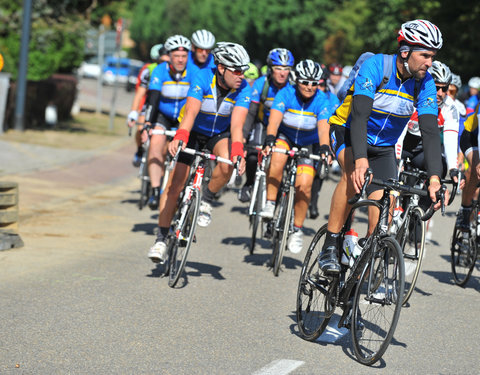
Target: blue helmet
(280,56)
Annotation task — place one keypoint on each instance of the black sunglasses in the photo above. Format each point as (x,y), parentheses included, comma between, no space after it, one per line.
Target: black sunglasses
(443,88)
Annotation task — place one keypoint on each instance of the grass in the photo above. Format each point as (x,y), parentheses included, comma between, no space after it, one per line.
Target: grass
(86,131)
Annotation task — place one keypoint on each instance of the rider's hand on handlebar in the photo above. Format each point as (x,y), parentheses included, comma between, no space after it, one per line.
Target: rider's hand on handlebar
(268,144)
(326,153)
(173,146)
(241,166)
(132,118)
(454,172)
(433,188)
(358,175)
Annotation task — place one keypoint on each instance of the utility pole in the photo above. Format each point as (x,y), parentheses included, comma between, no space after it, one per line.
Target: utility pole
(101,53)
(115,83)
(23,65)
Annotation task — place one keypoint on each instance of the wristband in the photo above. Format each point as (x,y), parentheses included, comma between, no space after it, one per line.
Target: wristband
(434,178)
(237,149)
(182,135)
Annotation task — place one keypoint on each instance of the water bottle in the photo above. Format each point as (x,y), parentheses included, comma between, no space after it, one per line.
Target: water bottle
(397,213)
(349,243)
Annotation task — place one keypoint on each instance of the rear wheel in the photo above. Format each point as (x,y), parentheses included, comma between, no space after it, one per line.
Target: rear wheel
(316,293)
(463,250)
(145,187)
(285,217)
(377,302)
(183,238)
(254,217)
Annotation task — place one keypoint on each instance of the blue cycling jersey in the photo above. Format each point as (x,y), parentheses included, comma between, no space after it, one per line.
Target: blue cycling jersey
(194,68)
(393,105)
(257,89)
(173,93)
(333,102)
(300,118)
(471,103)
(213,119)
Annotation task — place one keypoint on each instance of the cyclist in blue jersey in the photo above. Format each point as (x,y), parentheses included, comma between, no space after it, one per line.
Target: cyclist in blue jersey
(168,87)
(474,92)
(298,118)
(200,56)
(212,118)
(365,128)
(279,62)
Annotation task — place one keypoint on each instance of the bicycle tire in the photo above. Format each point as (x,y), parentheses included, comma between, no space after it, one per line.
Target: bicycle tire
(314,294)
(411,238)
(372,306)
(463,257)
(145,187)
(187,229)
(285,222)
(254,217)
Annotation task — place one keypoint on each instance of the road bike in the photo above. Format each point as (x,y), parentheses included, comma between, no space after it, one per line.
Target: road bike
(370,293)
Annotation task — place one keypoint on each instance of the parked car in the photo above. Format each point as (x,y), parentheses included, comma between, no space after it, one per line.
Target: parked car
(115,70)
(90,68)
(135,66)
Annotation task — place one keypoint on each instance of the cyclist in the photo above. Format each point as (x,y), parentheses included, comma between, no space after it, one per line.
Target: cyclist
(448,123)
(317,182)
(168,87)
(279,62)
(252,73)
(212,118)
(298,118)
(474,87)
(200,57)
(335,78)
(469,147)
(158,54)
(379,117)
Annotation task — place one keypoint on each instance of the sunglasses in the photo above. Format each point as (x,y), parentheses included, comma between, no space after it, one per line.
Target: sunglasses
(443,88)
(282,68)
(306,82)
(236,72)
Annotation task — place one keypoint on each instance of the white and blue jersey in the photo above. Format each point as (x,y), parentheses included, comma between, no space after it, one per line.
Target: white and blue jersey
(194,68)
(213,119)
(393,105)
(300,119)
(333,102)
(257,89)
(173,93)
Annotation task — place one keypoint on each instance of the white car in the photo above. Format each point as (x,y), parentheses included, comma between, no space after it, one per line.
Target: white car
(89,69)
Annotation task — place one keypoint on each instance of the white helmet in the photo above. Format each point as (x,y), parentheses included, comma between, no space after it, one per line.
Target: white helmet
(346,70)
(203,39)
(474,83)
(309,70)
(177,41)
(421,33)
(440,73)
(456,81)
(232,55)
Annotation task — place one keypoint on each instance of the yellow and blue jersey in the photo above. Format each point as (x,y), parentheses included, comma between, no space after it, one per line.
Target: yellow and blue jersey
(173,93)
(264,108)
(213,119)
(393,105)
(194,68)
(300,118)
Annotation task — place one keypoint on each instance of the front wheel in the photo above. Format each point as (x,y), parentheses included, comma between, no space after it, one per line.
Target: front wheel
(463,250)
(377,302)
(257,207)
(283,227)
(316,293)
(183,237)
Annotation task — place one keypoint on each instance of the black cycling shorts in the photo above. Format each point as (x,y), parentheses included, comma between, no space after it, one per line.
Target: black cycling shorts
(339,138)
(312,149)
(469,141)
(165,122)
(201,142)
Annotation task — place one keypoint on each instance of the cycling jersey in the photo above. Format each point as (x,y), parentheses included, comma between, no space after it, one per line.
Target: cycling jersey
(471,122)
(173,94)
(333,101)
(213,118)
(472,103)
(194,68)
(300,118)
(257,89)
(393,105)
(448,124)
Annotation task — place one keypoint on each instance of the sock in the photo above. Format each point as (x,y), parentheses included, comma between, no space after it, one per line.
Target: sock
(331,239)
(296,229)
(162,233)
(208,196)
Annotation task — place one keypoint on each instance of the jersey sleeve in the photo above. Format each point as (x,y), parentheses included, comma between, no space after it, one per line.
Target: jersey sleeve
(369,76)
(427,97)
(197,87)
(156,80)
(244,96)
(280,101)
(322,109)
(257,89)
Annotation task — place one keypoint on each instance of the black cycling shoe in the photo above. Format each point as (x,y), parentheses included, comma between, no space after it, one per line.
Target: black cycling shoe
(328,261)
(154,199)
(245,194)
(313,212)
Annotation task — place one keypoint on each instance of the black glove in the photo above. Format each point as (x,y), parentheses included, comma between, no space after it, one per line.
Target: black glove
(325,150)
(269,141)
(453,173)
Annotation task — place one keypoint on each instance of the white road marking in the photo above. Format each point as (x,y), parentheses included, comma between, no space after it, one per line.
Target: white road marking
(332,333)
(279,367)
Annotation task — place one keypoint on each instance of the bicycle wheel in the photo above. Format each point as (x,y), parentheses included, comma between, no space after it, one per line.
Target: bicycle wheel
(145,186)
(411,238)
(463,255)
(284,227)
(377,302)
(184,234)
(315,293)
(254,217)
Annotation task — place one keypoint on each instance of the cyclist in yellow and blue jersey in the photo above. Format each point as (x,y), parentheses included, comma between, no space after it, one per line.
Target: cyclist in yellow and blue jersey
(469,146)
(212,118)
(200,56)
(168,87)
(298,118)
(365,128)
(279,62)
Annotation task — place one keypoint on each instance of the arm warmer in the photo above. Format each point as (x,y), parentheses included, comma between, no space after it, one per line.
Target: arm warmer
(361,109)
(151,111)
(252,114)
(432,146)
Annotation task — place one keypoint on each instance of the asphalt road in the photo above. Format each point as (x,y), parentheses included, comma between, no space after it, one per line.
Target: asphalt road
(82,297)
